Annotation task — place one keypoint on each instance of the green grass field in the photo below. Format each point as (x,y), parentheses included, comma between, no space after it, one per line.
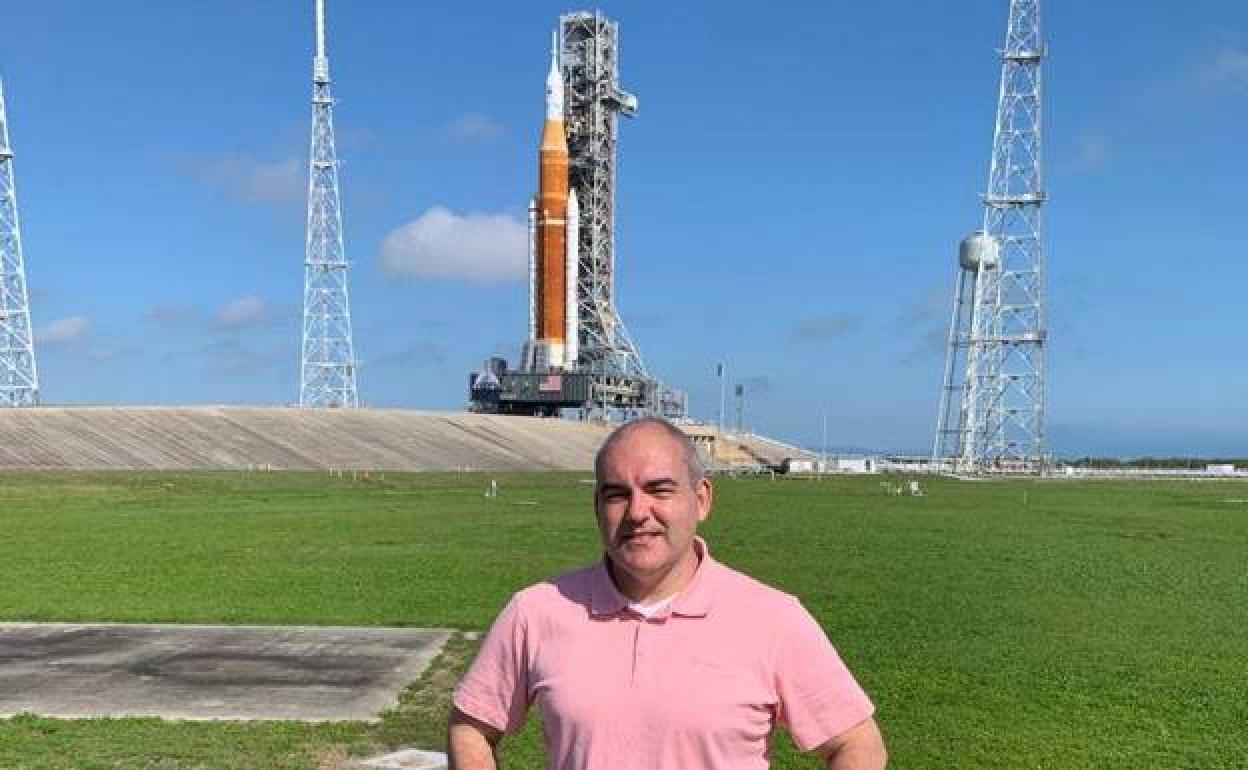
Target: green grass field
(1061,625)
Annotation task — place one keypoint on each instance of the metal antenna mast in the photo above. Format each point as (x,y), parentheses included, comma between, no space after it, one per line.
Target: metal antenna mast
(327,373)
(19,380)
(991,414)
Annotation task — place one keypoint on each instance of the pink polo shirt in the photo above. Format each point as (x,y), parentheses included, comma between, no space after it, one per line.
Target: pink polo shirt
(699,685)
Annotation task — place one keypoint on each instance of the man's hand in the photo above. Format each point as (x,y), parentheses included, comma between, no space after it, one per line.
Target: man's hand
(471,743)
(859,748)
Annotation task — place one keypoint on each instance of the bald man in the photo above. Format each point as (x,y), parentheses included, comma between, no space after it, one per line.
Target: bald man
(659,657)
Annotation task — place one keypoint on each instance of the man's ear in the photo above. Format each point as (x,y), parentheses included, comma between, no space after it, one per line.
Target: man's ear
(705,493)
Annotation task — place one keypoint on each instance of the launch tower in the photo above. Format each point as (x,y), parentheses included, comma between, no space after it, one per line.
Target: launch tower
(327,371)
(991,414)
(590,63)
(19,380)
(578,354)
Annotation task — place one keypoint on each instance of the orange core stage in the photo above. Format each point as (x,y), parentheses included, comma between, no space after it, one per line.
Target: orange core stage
(552,246)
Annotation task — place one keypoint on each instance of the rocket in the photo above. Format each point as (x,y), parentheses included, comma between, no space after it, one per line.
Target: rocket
(554,216)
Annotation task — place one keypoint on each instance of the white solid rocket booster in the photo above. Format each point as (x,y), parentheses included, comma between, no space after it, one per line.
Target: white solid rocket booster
(572,260)
(532,271)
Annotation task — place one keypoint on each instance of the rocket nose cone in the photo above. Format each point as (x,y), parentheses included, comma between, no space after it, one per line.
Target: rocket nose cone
(554,96)
(554,84)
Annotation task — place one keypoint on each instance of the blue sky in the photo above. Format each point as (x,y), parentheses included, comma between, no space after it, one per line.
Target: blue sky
(791,196)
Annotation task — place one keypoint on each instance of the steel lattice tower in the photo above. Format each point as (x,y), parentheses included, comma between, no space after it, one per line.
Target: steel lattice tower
(589,58)
(19,379)
(590,63)
(991,414)
(327,375)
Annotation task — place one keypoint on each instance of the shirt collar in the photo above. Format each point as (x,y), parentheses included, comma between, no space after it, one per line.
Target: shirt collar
(693,601)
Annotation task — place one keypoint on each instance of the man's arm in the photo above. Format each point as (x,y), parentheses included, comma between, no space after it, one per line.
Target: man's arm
(471,743)
(859,748)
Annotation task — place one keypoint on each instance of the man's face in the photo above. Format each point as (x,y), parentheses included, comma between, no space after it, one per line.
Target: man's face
(648,509)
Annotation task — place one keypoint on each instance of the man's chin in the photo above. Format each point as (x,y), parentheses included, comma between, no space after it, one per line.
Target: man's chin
(649,549)
(639,562)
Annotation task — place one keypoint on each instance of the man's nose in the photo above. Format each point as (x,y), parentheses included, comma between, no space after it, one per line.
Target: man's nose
(638,506)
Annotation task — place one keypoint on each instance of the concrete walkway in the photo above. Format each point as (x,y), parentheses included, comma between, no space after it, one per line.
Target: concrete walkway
(209,672)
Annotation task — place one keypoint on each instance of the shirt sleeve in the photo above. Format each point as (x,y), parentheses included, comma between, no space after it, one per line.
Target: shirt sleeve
(819,697)
(496,689)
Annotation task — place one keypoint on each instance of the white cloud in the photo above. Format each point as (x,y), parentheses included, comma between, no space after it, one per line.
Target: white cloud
(1216,70)
(925,321)
(474,126)
(420,354)
(228,354)
(252,180)
(1091,151)
(64,331)
(823,328)
(932,306)
(1229,67)
(442,244)
(242,312)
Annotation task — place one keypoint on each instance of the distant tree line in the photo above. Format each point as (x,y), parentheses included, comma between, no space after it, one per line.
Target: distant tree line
(1195,463)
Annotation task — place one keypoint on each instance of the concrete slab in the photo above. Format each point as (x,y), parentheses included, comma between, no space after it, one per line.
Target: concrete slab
(209,672)
(409,759)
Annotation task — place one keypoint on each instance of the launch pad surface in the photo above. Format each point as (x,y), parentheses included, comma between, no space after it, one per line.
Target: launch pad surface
(285,438)
(209,672)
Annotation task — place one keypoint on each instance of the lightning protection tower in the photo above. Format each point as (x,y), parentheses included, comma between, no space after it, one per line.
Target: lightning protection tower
(991,414)
(327,373)
(19,380)
(589,57)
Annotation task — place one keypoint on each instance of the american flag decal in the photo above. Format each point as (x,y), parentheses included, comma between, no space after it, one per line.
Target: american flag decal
(551,383)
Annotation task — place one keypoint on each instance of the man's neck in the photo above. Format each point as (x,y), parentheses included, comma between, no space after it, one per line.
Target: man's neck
(659,587)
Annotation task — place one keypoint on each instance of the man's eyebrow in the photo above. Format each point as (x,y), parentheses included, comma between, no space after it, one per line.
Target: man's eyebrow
(665,481)
(614,486)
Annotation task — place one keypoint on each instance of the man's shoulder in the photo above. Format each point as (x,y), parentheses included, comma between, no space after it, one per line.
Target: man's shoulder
(750,591)
(567,590)
(765,613)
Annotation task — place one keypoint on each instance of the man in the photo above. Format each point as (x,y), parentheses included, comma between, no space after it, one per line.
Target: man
(659,657)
